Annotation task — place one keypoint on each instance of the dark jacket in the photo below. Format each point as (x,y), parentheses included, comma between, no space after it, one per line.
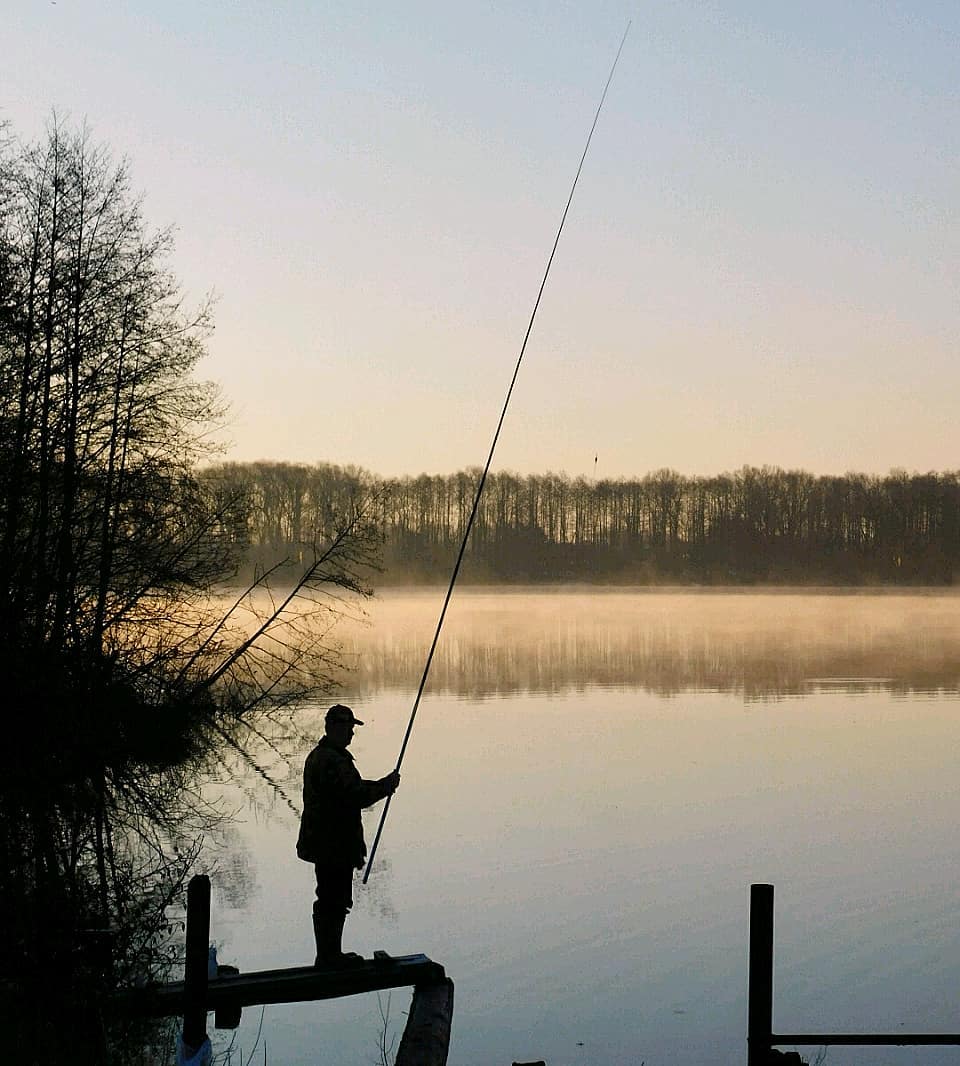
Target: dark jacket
(334,793)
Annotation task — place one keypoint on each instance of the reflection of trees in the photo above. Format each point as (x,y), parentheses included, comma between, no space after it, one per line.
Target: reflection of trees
(667,644)
(232,874)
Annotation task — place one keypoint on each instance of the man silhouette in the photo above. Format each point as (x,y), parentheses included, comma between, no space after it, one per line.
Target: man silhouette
(331,830)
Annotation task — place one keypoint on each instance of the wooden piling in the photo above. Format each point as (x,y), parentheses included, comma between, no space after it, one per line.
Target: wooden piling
(426,1036)
(760,977)
(195,970)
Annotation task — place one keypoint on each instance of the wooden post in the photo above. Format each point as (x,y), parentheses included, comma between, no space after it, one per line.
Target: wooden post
(426,1036)
(760,978)
(195,970)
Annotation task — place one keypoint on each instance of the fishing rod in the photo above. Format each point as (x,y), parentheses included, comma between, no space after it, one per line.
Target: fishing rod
(486,469)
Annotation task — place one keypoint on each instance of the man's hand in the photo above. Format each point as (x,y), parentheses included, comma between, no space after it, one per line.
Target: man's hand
(391,782)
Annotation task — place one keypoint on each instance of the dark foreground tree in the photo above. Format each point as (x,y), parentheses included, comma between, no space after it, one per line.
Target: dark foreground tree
(122,670)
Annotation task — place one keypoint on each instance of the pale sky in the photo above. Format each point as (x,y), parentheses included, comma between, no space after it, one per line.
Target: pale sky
(761,264)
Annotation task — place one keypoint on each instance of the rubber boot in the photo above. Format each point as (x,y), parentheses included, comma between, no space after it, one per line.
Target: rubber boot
(337,922)
(319,934)
(328,933)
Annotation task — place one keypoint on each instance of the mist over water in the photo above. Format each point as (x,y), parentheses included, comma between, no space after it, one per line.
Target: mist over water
(505,641)
(594,781)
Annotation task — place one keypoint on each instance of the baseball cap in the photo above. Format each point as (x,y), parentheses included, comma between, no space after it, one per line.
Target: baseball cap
(339,713)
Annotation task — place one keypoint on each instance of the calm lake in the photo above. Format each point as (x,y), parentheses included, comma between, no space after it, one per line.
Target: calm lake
(594,781)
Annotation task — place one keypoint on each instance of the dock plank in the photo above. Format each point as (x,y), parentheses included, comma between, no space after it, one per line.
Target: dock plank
(298,984)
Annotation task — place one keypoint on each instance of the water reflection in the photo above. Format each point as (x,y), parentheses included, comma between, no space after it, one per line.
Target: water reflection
(759,644)
(579,860)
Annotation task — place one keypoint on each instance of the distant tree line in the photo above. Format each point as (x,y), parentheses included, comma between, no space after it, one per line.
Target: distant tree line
(755,525)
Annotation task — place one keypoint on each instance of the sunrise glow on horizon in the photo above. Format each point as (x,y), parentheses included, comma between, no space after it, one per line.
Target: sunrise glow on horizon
(759,267)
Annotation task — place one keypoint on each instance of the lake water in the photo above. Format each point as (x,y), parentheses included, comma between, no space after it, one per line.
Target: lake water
(593,783)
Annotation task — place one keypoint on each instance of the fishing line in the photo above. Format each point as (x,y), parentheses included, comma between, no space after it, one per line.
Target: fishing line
(486,469)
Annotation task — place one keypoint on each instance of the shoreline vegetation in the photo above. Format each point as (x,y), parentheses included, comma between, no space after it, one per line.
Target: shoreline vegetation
(756,526)
(128,680)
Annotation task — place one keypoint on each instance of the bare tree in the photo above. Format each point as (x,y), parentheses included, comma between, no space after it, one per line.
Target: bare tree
(123,671)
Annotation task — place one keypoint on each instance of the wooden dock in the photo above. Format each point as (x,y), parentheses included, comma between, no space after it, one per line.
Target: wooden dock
(297,984)
(426,1037)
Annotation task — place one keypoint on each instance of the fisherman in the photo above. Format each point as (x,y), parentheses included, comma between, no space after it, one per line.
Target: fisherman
(331,831)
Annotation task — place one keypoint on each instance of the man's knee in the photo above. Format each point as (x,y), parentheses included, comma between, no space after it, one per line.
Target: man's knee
(334,887)
(325,910)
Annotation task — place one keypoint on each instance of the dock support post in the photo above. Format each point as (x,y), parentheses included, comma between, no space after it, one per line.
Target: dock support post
(760,977)
(195,970)
(426,1036)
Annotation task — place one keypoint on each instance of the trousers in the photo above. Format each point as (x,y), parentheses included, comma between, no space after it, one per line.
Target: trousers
(334,886)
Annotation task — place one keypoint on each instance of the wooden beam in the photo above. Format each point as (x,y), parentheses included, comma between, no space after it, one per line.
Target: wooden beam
(426,1036)
(868,1039)
(760,976)
(195,969)
(298,984)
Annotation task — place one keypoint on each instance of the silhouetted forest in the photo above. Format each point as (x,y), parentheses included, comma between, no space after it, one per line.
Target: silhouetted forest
(756,525)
